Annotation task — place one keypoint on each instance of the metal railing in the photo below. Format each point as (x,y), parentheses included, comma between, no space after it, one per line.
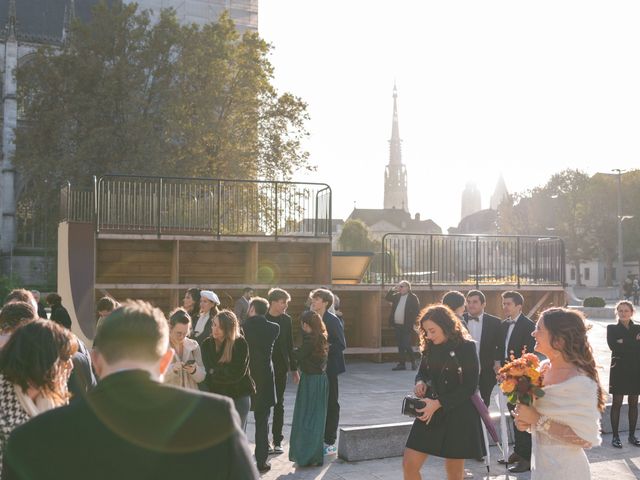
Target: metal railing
(430,259)
(201,206)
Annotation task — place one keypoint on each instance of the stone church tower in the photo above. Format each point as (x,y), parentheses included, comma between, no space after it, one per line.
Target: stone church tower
(395,175)
(471,200)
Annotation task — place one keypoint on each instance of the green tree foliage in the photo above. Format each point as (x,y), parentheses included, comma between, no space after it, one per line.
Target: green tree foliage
(355,237)
(130,95)
(582,210)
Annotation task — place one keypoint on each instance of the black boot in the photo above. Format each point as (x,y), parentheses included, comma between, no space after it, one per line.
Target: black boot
(615,442)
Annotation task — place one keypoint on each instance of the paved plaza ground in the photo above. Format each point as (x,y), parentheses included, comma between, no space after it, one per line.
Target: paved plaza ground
(370,393)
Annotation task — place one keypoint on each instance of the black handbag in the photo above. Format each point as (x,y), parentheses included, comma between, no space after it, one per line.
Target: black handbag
(411,402)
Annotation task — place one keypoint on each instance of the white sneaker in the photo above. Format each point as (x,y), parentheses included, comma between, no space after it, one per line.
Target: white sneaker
(330,450)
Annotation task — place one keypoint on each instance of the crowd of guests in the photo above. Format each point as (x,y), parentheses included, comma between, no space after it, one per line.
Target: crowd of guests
(463,348)
(49,394)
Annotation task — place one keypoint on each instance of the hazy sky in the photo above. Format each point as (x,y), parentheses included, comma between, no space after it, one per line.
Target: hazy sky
(519,88)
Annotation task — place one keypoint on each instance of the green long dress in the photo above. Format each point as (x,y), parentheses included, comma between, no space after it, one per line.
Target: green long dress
(310,411)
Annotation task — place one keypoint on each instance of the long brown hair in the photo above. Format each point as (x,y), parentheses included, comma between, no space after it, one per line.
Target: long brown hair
(36,356)
(444,317)
(318,333)
(231,328)
(568,334)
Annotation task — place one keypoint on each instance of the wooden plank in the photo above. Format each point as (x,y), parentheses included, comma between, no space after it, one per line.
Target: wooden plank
(251,255)
(211,238)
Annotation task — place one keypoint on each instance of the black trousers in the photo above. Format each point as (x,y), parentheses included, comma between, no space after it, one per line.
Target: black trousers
(485,392)
(403,339)
(522,440)
(278,409)
(333,412)
(262,434)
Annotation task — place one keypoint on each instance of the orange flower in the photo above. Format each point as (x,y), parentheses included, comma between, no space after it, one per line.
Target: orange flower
(508,385)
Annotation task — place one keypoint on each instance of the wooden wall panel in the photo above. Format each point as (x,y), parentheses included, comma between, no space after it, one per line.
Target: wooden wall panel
(130,261)
(211,262)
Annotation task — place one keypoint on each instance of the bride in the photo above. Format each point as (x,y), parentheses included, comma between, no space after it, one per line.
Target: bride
(566,420)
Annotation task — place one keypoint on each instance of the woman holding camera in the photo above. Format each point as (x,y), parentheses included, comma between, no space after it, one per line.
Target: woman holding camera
(448,425)
(187,369)
(226,359)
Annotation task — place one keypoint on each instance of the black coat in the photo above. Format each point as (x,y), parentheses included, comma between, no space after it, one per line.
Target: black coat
(491,348)
(411,308)
(131,427)
(60,315)
(624,376)
(206,332)
(232,379)
(261,336)
(337,344)
(42,312)
(283,358)
(455,379)
(520,337)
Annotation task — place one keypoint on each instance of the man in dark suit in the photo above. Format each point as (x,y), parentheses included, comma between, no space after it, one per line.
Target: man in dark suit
(516,330)
(487,333)
(321,300)
(405,307)
(283,359)
(261,335)
(131,426)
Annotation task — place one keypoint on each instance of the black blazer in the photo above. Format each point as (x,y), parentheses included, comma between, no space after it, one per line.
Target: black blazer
(232,379)
(261,336)
(337,344)
(520,337)
(131,427)
(411,308)
(60,315)
(206,332)
(283,358)
(491,347)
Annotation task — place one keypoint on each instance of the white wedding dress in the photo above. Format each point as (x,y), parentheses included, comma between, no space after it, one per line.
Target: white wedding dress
(558,453)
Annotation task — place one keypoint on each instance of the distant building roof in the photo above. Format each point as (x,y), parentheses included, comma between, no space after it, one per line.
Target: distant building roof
(482,222)
(42,21)
(399,218)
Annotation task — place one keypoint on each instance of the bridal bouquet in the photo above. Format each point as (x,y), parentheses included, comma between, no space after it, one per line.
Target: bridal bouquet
(521,380)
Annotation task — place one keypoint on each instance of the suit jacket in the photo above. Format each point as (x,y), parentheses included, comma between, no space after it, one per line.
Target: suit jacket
(491,347)
(520,337)
(261,335)
(337,344)
(206,332)
(241,309)
(283,358)
(132,427)
(42,312)
(411,308)
(60,315)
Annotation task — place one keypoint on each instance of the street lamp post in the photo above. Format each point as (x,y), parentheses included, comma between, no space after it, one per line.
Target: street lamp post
(621,218)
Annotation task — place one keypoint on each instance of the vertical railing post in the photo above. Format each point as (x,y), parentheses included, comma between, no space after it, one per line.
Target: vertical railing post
(276,211)
(159,205)
(316,219)
(477,262)
(219,205)
(430,261)
(518,261)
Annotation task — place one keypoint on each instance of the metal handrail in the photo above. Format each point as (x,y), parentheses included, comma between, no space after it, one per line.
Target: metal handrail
(477,259)
(206,206)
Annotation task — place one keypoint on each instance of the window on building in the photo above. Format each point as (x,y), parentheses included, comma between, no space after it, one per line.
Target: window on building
(587,273)
(573,274)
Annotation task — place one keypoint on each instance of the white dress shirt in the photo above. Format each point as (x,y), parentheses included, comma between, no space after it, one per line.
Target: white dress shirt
(506,341)
(398,315)
(200,324)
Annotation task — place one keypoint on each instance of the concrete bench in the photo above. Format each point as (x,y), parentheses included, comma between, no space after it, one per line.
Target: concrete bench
(370,442)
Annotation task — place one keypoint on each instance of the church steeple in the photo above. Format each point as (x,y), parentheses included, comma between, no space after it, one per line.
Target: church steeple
(395,175)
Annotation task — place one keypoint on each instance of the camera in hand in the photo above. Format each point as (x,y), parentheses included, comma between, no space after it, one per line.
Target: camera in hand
(410,404)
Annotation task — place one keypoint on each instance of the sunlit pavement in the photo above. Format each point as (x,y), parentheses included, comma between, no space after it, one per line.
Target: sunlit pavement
(370,393)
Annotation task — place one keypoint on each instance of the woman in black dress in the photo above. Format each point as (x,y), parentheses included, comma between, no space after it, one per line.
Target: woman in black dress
(624,377)
(449,426)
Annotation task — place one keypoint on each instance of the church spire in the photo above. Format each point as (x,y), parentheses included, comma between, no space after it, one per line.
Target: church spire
(395,176)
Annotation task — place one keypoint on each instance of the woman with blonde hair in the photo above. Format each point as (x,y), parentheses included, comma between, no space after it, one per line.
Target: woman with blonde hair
(566,420)
(226,359)
(449,424)
(186,369)
(35,365)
